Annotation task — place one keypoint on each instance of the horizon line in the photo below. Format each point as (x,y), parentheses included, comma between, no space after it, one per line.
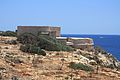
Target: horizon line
(74,33)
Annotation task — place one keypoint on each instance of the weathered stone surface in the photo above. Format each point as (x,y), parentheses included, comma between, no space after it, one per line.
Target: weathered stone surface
(15,64)
(79,43)
(47,30)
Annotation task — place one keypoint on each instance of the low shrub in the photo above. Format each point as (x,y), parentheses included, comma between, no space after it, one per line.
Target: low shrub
(11,42)
(80,66)
(32,49)
(27,38)
(51,44)
(8,33)
(44,42)
(24,48)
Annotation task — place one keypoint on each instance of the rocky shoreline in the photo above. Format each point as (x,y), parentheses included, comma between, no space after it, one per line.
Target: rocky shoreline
(18,65)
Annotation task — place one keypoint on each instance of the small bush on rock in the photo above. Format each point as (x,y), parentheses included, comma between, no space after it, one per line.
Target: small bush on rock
(80,66)
(11,42)
(32,49)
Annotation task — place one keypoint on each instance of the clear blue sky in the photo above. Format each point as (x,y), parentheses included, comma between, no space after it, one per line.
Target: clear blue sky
(74,16)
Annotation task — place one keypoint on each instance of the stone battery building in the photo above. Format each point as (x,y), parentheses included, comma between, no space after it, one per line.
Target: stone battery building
(79,43)
(36,30)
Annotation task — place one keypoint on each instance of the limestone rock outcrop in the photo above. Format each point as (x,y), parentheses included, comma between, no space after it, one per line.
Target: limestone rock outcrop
(17,65)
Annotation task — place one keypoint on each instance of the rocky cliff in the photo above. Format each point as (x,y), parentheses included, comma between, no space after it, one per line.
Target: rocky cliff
(94,65)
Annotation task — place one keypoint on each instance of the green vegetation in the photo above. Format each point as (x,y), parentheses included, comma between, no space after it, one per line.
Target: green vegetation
(27,38)
(32,49)
(14,42)
(51,44)
(43,42)
(8,33)
(35,44)
(80,66)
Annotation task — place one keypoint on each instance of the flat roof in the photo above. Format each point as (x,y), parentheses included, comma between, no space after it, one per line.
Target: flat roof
(40,26)
(61,37)
(71,38)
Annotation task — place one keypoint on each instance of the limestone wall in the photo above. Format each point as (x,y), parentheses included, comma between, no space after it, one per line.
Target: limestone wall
(79,43)
(55,31)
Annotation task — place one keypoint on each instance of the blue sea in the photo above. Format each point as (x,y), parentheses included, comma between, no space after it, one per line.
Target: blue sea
(110,43)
